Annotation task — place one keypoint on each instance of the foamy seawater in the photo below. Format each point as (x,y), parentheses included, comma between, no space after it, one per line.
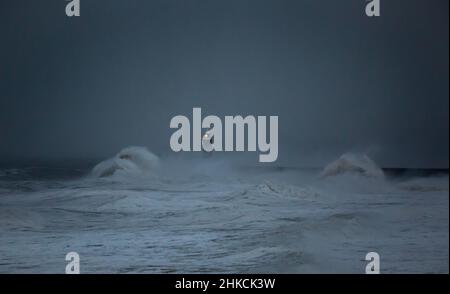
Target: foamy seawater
(211,218)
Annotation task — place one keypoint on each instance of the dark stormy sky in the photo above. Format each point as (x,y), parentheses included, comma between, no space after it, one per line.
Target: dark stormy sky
(115,76)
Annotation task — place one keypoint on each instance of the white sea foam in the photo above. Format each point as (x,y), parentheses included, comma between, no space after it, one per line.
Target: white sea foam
(236,220)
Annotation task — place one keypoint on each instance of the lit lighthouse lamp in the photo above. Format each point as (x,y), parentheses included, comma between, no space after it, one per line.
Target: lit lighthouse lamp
(207,141)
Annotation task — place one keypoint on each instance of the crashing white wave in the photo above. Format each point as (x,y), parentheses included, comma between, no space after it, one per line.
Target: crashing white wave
(351,163)
(131,159)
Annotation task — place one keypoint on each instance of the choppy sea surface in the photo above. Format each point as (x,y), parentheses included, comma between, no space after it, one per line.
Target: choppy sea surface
(213,218)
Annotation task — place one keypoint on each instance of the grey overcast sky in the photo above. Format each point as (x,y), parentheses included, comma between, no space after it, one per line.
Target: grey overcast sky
(339,81)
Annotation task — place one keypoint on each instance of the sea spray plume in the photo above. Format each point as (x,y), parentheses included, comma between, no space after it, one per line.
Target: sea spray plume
(131,159)
(352,163)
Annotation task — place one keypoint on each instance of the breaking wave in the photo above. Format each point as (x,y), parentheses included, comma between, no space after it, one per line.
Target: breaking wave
(351,163)
(131,159)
